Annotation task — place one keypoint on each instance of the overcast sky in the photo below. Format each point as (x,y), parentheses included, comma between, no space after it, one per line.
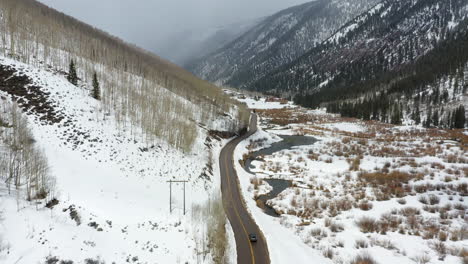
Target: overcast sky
(152,23)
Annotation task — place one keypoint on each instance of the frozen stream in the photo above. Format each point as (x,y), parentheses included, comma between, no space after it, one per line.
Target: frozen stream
(278,185)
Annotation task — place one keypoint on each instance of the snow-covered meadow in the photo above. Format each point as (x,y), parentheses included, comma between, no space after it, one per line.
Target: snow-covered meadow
(111,187)
(395,194)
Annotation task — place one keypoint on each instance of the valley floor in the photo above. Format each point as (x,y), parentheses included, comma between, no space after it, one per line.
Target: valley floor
(396,194)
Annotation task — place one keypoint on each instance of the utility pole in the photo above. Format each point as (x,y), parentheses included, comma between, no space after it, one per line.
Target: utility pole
(170,197)
(184,198)
(170,194)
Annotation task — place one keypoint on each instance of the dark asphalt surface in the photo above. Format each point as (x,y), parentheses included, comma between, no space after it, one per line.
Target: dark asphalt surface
(241,221)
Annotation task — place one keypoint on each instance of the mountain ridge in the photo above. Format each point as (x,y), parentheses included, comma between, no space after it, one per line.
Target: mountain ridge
(278,40)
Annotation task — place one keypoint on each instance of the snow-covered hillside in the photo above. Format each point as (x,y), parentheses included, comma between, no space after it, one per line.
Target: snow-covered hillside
(277,40)
(86,179)
(113,198)
(399,58)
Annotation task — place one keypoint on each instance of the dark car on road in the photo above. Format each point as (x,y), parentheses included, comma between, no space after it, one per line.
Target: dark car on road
(253,237)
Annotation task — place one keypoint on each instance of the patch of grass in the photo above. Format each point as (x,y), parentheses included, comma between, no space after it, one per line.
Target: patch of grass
(386,178)
(363,258)
(361,243)
(367,224)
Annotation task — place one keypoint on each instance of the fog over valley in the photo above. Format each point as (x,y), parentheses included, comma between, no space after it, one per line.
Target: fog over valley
(171,29)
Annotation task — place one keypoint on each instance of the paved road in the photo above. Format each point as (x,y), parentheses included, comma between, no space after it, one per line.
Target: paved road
(241,221)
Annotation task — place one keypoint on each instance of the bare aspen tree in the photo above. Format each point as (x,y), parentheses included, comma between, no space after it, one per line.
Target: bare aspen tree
(137,86)
(22,166)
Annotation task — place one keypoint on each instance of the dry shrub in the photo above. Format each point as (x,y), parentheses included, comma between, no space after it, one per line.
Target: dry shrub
(328,253)
(422,259)
(365,205)
(363,258)
(451,158)
(354,164)
(423,199)
(443,236)
(336,227)
(431,231)
(318,233)
(367,224)
(391,221)
(260,204)
(256,182)
(408,211)
(464,256)
(385,243)
(433,199)
(346,140)
(294,202)
(387,185)
(361,243)
(462,188)
(460,206)
(412,221)
(386,178)
(362,142)
(343,204)
(439,247)
(458,234)
(431,209)
(401,201)
(421,188)
(437,165)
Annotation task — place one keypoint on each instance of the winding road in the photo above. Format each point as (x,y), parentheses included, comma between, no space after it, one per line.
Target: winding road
(240,219)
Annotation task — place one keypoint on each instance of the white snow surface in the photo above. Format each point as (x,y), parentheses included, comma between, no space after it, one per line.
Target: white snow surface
(263,104)
(112,181)
(345,126)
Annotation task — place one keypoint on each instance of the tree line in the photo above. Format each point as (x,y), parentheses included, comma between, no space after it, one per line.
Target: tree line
(23,166)
(139,87)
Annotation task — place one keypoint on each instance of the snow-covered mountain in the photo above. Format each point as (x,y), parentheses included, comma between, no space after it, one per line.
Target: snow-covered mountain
(410,53)
(277,40)
(385,60)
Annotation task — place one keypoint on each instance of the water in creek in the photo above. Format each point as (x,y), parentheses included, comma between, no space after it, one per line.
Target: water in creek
(278,185)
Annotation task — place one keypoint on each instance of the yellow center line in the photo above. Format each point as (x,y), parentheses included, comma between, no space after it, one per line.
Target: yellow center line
(237,213)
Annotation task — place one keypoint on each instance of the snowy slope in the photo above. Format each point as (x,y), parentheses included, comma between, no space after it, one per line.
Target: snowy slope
(404,47)
(115,183)
(276,41)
